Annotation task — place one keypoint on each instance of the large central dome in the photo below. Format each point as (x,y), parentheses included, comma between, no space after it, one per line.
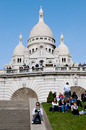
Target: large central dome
(41,29)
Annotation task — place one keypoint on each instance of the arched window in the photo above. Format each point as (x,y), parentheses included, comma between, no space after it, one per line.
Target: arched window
(29,51)
(41,46)
(18,60)
(37,38)
(49,50)
(45,38)
(63,59)
(32,50)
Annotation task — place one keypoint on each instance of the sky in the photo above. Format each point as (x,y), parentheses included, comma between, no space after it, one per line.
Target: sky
(62,16)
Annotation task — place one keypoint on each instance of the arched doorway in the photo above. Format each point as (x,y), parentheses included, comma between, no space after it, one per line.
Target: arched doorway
(79,90)
(24,94)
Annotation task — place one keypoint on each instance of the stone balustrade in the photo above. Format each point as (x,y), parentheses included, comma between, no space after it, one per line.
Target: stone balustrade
(44,69)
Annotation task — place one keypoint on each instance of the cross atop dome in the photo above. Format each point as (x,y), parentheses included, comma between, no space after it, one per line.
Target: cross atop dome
(20,39)
(41,14)
(62,38)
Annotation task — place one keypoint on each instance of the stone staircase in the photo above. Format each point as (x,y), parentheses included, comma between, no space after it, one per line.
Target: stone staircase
(17,115)
(14,115)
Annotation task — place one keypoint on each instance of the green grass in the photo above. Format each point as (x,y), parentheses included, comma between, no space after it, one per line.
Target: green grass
(65,121)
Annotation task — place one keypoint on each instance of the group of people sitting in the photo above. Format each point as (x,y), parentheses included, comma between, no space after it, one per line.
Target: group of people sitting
(66,103)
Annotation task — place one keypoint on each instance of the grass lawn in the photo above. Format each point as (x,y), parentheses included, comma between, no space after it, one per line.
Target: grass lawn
(65,121)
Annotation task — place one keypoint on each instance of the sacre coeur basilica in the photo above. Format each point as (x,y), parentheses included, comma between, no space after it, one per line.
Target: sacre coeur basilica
(41,67)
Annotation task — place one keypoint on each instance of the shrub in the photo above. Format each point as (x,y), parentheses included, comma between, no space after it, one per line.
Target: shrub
(50,97)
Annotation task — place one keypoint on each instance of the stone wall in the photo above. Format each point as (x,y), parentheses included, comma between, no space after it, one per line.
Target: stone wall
(41,83)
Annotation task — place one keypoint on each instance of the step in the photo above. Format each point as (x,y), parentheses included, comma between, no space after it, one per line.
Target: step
(15,115)
(14,104)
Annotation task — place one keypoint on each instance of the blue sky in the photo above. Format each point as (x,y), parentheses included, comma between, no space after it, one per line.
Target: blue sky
(66,16)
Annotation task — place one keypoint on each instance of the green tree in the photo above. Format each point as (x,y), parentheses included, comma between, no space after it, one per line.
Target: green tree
(50,97)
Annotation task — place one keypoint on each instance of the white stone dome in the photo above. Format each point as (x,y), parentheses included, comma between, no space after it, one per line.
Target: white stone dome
(62,48)
(20,48)
(41,29)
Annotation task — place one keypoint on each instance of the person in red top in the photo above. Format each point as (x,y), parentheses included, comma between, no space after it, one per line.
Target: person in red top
(60,96)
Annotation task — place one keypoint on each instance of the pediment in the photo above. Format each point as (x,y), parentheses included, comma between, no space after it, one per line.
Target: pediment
(41,53)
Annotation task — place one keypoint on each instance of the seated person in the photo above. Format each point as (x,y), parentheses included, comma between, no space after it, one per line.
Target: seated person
(74,109)
(79,102)
(63,105)
(68,103)
(37,112)
(71,101)
(55,105)
(54,95)
(75,98)
(84,96)
(74,95)
(60,96)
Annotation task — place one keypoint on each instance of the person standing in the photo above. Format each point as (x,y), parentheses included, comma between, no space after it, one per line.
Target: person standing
(67,92)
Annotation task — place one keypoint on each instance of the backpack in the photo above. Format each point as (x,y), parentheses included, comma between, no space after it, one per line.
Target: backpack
(50,109)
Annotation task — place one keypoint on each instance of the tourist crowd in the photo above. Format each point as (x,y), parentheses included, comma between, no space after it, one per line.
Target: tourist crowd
(62,103)
(66,102)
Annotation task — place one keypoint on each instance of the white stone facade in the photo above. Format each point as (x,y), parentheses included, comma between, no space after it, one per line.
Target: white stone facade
(41,83)
(54,65)
(41,48)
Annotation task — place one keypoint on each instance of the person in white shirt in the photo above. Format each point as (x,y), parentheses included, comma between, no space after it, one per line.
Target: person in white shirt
(67,90)
(55,105)
(74,109)
(37,111)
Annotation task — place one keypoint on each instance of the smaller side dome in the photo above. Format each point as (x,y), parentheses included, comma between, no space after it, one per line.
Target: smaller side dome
(62,48)
(20,48)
